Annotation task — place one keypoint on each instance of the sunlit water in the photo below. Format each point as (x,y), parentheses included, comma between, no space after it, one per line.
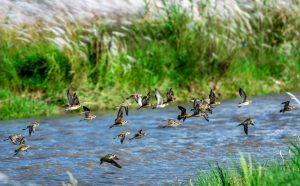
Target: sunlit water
(162,157)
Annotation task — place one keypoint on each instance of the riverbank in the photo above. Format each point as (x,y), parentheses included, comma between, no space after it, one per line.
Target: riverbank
(257,49)
(282,172)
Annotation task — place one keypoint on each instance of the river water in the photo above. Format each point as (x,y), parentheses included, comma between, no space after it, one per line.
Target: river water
(164,156)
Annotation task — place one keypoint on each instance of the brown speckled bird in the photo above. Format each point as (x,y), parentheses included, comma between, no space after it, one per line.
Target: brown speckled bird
(183,115)
(119,121)
(287,107)
(245,101)
(171,124)
(87,114)
(122,136)
(21,148)
(138,135)
(73,101)
(212,99)
(32,127)
(15,139)
(246,123)
(110,158)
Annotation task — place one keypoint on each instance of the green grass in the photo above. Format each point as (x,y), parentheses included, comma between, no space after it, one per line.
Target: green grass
(13,106)
(105,63)
(284,172)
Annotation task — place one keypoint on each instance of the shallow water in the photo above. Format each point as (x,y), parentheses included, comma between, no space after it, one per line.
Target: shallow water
(162,157)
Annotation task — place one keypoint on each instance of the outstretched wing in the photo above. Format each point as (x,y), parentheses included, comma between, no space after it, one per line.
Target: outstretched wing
(70,99)
(75,99)
(85,109)
(146,99)
(136,98)
(212,97)
(158,97)
(205,116)
(120,112)
(246,129)
(286,104)
(293,97)
(183,110)
(196,104)
(243,95)
(113,162)
(170,95)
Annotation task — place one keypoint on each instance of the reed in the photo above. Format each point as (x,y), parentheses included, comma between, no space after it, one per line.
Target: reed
(284,172)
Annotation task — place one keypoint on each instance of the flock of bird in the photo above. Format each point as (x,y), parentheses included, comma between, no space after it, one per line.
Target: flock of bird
(201,108)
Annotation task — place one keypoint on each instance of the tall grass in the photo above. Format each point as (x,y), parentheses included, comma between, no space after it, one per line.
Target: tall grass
(105,62)
(279,173)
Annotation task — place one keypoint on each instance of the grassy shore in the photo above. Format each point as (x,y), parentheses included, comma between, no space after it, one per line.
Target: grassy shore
(257,49)
(284,172)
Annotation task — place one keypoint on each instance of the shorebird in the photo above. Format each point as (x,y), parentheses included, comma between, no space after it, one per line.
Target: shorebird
(138,135)
(246,123)
(122,136)
(293,97)
(171,124)
(245,100)
(159,98)
(183,115)
(287,106)
(87,114)
(73,102)
(137,98)
(212,98)
(146,101)
(32,127)
(170,96)
(110,158)
(119,121)
(15,139)
(200,109)
(21,148)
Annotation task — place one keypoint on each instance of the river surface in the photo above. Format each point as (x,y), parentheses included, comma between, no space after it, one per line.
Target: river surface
(164,156)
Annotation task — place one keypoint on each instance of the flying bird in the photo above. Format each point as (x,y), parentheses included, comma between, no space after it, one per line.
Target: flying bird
(32,127)
(137,98)
(22,147)
(110,158)
(171,124)
(15,139)
(212,98)
(119,121)
(122,136)
(159,98)
(73,102)
(200,109)
(246,123)
(287,107)
(146,101)
(245,101)
(87,114)
(138,135)
(183,115)
(170,96)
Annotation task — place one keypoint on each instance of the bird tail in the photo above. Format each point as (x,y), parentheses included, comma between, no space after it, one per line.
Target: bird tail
(6,139)
(281,111)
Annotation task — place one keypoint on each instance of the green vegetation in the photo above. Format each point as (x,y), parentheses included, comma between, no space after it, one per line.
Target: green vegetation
(106,62)
(280,173)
